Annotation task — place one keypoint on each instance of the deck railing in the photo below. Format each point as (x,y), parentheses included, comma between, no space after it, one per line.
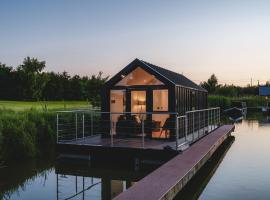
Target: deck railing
(196,124)
(135,129)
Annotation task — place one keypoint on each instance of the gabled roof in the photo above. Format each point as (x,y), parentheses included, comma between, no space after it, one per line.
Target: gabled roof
(264,90)
(176,78)
(162,74)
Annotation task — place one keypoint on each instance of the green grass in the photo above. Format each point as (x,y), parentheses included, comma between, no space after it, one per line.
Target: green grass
(43,105)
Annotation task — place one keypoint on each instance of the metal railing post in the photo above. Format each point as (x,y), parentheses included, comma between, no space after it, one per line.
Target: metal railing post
(208,120)
(177,132)
(92,124)
(214,119)
(219,116)
(203,122)
(211,120)
(143,133)
(76,125)
(193,125)
(57,128)
(215,114)
(111,129)
(199,124)
(83,125)
(186,127)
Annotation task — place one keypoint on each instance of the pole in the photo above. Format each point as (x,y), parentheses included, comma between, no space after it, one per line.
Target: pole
(199,124)
(177,131)
(83,125)
(219,116)
(91,115)
(111,129)
(143,133)
(186,127)
(193,125)
(57,128)
(76,125)
(203,122)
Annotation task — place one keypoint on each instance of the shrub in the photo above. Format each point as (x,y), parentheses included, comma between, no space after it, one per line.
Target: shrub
(25,134)
(219,101)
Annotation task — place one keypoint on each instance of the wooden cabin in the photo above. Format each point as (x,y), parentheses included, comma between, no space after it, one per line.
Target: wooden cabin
(141,87)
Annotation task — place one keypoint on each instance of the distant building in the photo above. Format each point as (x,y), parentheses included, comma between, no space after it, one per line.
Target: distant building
(264,90)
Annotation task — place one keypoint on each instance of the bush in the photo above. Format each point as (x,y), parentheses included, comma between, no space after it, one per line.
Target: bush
(25,134)
(219,101)
(226,102)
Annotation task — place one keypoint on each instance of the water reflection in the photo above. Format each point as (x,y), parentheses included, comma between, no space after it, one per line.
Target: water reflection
(97,181)
(195,187)
(244,172)
(68,180)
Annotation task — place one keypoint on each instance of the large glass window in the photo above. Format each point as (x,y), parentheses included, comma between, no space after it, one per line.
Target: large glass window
(138,103)
(139,77)
(160,100)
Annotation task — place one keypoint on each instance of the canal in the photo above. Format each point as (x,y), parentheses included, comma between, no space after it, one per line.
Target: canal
(240,170)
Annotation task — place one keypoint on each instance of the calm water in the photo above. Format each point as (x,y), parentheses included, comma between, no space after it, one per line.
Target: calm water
(66,180)
(243,172)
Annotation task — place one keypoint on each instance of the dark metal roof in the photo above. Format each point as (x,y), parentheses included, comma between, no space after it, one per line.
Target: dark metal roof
(264,90)
(164,75)
(177,79)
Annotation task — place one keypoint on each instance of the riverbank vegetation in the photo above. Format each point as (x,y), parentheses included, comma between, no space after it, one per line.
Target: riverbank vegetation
(226,101)
(27,134)
(224,95)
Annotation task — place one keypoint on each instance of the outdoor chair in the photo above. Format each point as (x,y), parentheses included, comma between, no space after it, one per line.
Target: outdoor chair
(168,127)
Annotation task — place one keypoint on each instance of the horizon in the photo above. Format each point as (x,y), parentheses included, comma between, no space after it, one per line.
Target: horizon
(225,38)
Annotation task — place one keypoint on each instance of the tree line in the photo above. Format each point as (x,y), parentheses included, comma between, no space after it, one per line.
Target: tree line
(213,87)
(28,81)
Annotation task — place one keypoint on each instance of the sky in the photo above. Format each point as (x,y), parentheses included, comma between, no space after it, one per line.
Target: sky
(229,38)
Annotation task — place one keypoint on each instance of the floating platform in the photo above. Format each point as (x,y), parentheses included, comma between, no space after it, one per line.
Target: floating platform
(170,178)
(99,148)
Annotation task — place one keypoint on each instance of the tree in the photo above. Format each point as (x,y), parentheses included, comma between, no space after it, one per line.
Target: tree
(7,82)
(31,79)
(93,88)
(211,85)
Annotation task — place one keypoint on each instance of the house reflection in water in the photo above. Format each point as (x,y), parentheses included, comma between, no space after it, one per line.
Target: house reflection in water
(79,181)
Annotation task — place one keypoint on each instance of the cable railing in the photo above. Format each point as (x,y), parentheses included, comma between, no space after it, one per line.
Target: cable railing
(135,129)
(196,124)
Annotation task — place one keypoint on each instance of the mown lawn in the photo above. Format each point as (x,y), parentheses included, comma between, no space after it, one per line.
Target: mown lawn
(43,105)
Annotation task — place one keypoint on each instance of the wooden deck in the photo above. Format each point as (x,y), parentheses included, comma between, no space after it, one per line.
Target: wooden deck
(121,148)
(119,142)
(170,178)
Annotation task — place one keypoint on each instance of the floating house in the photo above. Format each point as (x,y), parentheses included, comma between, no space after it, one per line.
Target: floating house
(155,92)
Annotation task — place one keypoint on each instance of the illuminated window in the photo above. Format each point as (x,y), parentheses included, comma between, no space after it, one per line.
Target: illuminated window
(160,100)
(138,103)
(139,77)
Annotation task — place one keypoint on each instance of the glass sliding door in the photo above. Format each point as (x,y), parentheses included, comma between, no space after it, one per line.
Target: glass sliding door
(117,105)
(161,124)
(138,103)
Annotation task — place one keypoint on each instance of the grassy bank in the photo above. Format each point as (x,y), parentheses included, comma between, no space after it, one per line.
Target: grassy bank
(226,102)
(26,134)
(43,105)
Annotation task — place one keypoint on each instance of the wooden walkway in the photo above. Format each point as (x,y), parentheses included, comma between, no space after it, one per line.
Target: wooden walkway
(170,178)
